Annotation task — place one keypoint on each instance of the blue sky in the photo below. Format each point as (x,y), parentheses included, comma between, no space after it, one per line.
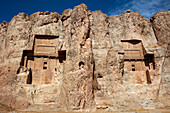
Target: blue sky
(10,8)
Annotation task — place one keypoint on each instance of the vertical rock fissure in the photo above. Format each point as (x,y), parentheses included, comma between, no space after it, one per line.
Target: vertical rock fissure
(154,32)
(160,84)
(95,73)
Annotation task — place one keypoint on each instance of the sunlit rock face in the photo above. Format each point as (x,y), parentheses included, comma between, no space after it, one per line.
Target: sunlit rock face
(84,60)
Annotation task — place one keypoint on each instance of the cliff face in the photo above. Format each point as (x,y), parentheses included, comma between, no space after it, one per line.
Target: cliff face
(119,62)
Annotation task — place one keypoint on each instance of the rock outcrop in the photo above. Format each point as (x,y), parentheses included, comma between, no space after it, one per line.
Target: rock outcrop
(84,60)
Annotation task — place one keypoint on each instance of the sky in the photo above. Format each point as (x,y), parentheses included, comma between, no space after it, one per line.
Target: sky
(10,8)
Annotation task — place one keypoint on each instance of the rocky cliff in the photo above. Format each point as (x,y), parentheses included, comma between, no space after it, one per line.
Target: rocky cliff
(117,63)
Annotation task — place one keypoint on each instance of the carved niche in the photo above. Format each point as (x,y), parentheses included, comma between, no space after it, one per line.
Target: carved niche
(40,63)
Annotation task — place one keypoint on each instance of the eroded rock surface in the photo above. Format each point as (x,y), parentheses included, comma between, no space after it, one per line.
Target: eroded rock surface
(117,63)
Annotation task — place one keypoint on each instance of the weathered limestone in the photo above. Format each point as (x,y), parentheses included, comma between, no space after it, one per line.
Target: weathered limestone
(84,60)
(160,22)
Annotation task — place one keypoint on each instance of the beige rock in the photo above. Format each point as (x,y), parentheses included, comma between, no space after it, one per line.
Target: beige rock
(84,60)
